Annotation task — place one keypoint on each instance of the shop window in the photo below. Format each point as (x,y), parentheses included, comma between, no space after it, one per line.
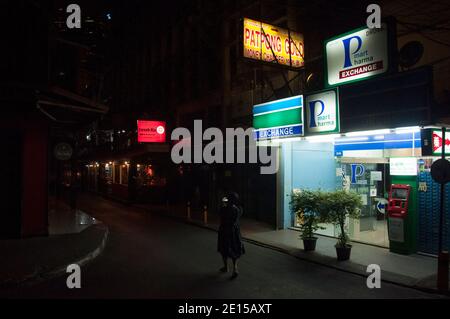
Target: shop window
(150,176)
(116,174)
(124,171)
(371,181)
(107,173)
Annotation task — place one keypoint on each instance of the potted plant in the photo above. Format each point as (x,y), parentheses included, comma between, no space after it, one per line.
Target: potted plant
(340,205)
(306,205)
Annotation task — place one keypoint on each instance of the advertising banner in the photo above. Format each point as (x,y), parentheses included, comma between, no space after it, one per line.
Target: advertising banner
(432,142)
(438,142)
(356,55)
(322,112)
(268,43)
(151,131)
(403,166)
(278,119)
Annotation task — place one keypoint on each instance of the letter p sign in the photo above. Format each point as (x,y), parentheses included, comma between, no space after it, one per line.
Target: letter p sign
(358,170)
(347,46)
(312,112)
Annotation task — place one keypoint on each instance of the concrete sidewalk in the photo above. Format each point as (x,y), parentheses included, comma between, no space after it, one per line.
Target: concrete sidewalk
(73,239)
(416,271)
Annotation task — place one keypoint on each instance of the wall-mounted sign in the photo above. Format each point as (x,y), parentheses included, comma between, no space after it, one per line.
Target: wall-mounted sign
(322,113)
(438,142)
(357,170)
(389,141)
(403,166)
(356,55)
(63,151)
(278,119)
(432,142)
(382,205)
(151,131)
(268,43)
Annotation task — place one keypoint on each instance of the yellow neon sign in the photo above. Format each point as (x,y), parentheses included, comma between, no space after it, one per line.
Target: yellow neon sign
(268,43)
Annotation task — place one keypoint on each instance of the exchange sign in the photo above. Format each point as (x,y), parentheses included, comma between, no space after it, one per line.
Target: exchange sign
(269,43)
(357,55)
(322,112)
(278,119)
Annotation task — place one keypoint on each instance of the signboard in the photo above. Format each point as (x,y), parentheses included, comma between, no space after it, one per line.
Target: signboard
(322,113)
(278,119)
(432,142)
(268,43)
(376,176)
(396,232)
(356,55)
(151,131)
(63,151)
(440,171)
(403,166)
(437,142)
(382,205)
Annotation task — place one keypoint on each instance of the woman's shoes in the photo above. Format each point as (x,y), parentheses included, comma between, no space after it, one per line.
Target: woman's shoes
(224,269)
(234,275)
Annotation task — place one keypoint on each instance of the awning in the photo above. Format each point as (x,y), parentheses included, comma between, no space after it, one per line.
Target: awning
(63,106)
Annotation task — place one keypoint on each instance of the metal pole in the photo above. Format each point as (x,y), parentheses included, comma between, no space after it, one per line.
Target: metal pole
(205,215)
(442,276)
(441,216)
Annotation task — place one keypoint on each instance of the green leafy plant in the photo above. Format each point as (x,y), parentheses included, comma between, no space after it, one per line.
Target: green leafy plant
(306,204)
(340,205)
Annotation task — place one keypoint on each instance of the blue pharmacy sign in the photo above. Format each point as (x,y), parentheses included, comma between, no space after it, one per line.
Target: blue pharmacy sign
(358,170)
(322,112)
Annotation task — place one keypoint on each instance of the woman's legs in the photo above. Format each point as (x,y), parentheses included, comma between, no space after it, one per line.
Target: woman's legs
(235,268)
(225,264)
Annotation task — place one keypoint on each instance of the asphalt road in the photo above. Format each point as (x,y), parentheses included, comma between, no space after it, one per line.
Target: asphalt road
(148,256)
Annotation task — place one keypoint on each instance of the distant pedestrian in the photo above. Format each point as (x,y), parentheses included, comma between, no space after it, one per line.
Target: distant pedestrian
(229,242)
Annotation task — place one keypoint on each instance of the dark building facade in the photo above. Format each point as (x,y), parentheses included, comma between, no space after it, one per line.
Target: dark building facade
(48,90)
(184,62)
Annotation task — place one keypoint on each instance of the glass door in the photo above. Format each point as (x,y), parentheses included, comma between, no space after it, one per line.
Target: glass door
(369,180)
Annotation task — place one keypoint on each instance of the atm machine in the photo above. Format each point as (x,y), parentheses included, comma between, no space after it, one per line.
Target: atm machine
(398,202)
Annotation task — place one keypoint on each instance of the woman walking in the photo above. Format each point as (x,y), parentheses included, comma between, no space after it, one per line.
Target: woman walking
(229,243)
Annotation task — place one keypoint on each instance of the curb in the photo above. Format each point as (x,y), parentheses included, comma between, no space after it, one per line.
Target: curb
(39,277)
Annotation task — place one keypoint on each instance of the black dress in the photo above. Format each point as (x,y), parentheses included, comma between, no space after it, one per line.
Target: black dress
(229,242)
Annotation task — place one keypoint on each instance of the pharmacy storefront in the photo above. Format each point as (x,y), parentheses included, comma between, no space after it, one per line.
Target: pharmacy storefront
(315,153)
(371,128)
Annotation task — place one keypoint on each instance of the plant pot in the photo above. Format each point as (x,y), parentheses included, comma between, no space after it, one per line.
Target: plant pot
(343,253)
(309,244)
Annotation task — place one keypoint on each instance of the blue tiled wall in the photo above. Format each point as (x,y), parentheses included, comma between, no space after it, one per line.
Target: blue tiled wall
(429,205)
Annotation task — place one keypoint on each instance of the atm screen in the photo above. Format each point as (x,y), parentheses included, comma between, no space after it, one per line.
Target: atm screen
(400,193)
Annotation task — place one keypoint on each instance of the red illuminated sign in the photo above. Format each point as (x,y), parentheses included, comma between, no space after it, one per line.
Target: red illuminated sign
(151,131)
(437,142)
